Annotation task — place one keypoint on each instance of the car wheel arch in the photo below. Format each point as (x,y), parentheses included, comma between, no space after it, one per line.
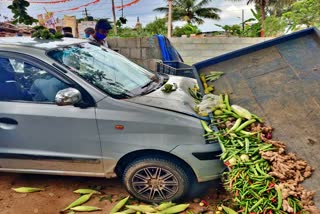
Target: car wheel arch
(130,157)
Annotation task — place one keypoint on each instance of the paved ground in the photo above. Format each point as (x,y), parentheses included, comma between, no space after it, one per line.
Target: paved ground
(59,193)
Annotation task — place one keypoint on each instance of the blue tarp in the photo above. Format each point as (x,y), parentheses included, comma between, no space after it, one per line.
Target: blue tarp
(169,53)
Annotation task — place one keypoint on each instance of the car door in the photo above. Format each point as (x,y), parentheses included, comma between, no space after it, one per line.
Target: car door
(36,135)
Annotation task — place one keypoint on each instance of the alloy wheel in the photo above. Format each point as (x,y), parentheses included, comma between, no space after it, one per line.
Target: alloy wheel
(155,183)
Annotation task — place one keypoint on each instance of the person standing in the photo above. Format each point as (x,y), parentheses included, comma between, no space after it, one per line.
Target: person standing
(102,29)
(67,32)
(19,34)
(88,32)
(52,30)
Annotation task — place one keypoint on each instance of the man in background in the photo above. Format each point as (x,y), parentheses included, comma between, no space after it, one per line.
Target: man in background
(52,30)
(67,32)
(102,29)
(89,31)
(19,34)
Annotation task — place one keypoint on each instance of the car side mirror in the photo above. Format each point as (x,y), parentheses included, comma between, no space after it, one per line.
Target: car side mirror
(68,96)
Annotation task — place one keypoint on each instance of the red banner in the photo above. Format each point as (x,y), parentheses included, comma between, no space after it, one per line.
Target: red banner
(49,2)
(43,2)
(77,8)
(127,5)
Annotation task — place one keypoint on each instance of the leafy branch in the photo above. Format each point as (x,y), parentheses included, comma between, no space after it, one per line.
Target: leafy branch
(43,33)
(19,9)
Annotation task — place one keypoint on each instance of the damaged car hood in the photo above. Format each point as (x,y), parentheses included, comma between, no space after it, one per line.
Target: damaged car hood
(179,100)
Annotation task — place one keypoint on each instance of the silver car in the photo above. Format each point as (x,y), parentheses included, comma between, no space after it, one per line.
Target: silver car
(71,107)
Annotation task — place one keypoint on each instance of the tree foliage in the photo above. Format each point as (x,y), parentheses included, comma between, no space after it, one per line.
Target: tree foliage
(231,30)
(127,32)
(273,8)
(191,11)
(158,26)
(249,28)
(277,8)
(262,6)
(187,29)
(275,26)
(304,12)
(43,33)
(19,10)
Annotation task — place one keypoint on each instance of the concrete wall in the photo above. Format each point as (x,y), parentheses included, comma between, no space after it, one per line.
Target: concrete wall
(194,50)
(146,52)
(143,51)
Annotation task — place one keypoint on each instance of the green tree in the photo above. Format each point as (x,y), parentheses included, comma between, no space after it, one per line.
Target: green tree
(277,8)
(304,12)
(262,6)
(273,7)
(126,32)
(19,10)
(275,26)
(191,11)
(231,30)
(252,27)
(187,29)
(158,26)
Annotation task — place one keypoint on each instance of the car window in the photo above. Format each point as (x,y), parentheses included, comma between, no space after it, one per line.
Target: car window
(21,81)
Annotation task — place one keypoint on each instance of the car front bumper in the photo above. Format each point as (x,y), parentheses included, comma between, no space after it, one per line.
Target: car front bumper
(203,159)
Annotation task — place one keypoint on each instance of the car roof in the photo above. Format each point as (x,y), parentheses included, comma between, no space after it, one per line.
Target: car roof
(38,43)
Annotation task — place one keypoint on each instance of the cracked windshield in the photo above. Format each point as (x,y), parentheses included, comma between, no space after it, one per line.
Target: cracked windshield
(105,69)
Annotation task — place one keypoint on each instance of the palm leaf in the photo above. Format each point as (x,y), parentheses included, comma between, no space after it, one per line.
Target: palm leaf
(203,3)
(198,20)
(209,13)
(190,11)
(162,9)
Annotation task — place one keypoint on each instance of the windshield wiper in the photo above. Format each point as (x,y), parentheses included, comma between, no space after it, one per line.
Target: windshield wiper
(147,84)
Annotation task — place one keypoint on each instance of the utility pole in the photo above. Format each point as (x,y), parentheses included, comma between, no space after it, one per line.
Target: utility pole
(169,18)
(86,12)
(114,19)
(242,19)
(121,8)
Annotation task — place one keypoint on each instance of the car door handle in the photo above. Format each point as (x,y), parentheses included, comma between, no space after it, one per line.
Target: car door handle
(8,123)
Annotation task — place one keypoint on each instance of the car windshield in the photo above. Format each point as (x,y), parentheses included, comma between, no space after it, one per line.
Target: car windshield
(109,71)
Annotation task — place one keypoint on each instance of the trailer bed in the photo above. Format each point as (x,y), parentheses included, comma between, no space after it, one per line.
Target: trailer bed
(279,80)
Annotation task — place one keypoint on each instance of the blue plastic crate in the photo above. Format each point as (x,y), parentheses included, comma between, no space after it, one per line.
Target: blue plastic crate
(175,68)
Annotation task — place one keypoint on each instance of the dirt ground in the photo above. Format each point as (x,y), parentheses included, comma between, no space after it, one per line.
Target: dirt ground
(59,193)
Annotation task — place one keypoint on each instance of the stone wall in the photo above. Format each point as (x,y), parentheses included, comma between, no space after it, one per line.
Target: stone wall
(194,50)
(143,51)
(146,52)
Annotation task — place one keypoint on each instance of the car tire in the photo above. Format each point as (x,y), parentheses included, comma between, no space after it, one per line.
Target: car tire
(156,179)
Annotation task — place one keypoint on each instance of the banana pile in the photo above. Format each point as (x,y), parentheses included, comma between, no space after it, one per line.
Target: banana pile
(163,208)
(120,208)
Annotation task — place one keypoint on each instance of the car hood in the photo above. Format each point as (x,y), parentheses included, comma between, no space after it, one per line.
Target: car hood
(179,100)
